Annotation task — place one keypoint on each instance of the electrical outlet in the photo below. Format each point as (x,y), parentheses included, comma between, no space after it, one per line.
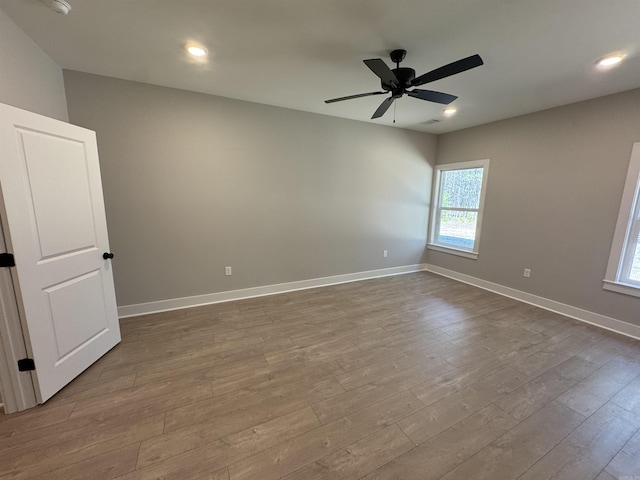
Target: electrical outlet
(384,253)
(227,270)
(527,272)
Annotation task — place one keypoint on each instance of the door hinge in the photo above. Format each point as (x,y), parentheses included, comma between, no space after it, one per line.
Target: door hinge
(7,260)
(26,365)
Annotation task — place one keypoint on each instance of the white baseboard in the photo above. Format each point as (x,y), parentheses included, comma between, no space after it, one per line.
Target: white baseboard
(592,318)
(576,313)
(198,300)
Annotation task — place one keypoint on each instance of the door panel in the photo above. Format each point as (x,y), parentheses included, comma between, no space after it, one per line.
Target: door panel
(77,323)
(63,216)
(56,228)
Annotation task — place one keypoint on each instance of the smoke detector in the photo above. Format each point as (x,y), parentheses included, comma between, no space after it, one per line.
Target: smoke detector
(59,6)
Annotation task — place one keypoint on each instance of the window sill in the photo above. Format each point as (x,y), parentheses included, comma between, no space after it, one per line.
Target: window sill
(453,251)
(625,288)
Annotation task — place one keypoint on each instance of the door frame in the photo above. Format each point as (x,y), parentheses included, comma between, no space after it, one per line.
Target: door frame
(18,389)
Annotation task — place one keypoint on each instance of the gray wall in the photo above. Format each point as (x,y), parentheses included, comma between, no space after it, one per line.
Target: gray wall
(29,79)
(194,182)
(554,190)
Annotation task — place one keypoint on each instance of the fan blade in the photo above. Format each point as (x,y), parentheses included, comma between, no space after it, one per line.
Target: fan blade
(431,96)
(381,69)
(384,106)
(354,96)
(451,69)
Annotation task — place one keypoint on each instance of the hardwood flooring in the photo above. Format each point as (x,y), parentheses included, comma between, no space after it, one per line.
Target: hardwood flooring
(408,377)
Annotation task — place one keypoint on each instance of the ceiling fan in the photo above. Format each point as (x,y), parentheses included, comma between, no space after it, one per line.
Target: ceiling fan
(400,79)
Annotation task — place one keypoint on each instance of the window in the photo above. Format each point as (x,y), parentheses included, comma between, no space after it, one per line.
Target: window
(623,270)
(457,207)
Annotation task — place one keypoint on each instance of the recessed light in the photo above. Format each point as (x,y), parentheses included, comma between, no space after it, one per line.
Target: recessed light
(60,6)
(610,60)
(450,111)
(196,50)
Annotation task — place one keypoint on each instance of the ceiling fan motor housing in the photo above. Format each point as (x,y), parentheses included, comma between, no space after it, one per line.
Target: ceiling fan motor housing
(404,75)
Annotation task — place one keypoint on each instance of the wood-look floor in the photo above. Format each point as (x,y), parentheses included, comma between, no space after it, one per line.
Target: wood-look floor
(406,377)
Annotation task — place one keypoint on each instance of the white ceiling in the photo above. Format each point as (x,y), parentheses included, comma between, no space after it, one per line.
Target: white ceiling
(297,53)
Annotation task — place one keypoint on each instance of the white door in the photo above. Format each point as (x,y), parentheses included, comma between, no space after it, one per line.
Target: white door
(56,228)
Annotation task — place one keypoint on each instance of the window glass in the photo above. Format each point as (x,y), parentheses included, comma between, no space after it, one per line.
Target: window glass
(635,265)
(458,228)
(461,188)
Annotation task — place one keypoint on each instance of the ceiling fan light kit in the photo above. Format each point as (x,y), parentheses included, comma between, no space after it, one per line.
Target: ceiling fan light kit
(399,80)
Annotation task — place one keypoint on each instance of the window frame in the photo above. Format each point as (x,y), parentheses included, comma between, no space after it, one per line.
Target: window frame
(628,224)
(434,224)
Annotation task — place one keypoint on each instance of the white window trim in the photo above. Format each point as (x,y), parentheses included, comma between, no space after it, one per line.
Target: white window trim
(435,216)
(628,206)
